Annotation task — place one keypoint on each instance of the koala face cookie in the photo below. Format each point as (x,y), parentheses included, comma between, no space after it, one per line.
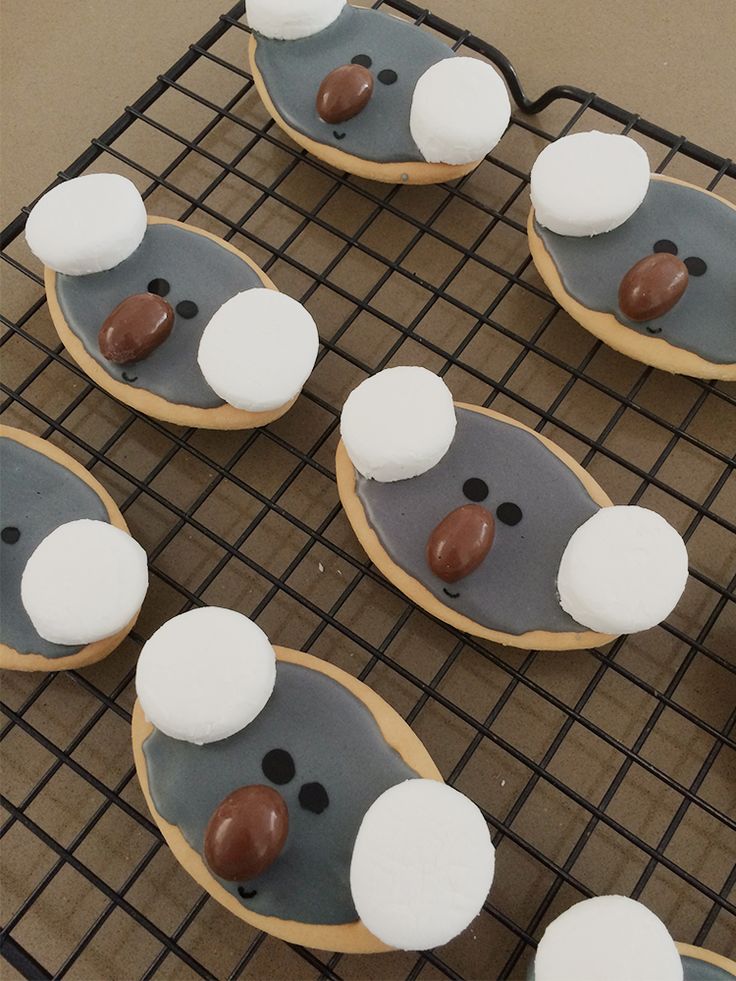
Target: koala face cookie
(646,263)
(293,819)
(171,320)
(493,528)
(73,579)
(613,937)
(372,94)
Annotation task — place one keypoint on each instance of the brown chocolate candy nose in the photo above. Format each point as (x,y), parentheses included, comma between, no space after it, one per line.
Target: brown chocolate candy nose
(652,286)
(344,93)
(460,542)
(246,833)
(135,328)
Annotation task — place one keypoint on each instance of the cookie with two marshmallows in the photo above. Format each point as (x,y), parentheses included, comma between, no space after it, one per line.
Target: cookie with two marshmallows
(372,94)
(493,528)
(168,318)
(297,797)
(643,261)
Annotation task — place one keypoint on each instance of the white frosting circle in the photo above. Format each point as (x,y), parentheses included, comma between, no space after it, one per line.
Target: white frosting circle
(398,423)
(84,582)
(459,111)
(258,350)
(289,20)
(607,938)
(87,225)
(623,570)
(422,865)
(205,675)
(589,183)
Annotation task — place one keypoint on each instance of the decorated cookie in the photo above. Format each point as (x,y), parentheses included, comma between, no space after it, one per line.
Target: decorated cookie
(492,528)
(646,263)
(73,580)
(297,797)
(168,318)
(374,95)
(613,938)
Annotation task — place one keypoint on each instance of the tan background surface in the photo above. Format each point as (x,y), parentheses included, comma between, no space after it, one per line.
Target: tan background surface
(68,68)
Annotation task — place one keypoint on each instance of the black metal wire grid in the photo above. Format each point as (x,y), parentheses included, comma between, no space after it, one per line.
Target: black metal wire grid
(652,683)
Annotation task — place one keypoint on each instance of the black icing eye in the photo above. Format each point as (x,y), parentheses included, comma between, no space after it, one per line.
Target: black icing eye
(187,309)
(388,76)
(363,60)
(313,797)
(159,286)
(10,535)
(278,766)
(695,265)
(664,245)
(508,513)
(475,489)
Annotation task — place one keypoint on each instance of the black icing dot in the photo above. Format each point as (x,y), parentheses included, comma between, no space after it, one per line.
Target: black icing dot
(388,76)
(475,489)
(508,513)
(159,286)
(695,265)
(313,797)
(246,893)
(187,309)
(363,60)
(278,766)
(10,535)
(664,245)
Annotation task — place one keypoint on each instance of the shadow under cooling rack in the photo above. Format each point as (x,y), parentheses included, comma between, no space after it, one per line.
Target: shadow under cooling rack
(600,771)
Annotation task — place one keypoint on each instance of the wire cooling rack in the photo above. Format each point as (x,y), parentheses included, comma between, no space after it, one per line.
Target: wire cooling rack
(607,770)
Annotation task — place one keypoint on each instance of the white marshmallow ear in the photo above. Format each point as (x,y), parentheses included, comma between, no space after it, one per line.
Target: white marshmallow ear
(623,570)
(459,112)
(289,20)
(422,865)
(398,424)
(589,183)
(258,350)
(205,675)
(87,225)
(607,938)
(84,582)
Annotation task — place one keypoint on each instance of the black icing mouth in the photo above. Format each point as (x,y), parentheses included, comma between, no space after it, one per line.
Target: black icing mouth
(338,136)
(127,378)
(448,593)
(244,894)
(654,330)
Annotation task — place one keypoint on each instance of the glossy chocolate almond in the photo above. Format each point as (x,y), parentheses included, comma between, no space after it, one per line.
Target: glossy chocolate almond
(460,542)
(344,93)
(135,328)
(246,833)
(652,286)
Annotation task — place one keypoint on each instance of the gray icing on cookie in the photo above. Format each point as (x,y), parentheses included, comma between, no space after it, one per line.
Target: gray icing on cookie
(514,589)
(197,271)
(38,495)
(333,740)
(704,320)
(293,71)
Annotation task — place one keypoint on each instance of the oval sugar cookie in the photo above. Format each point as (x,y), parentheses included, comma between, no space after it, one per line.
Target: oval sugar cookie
(503,537)
(169,319)
(644,262)
(290,821)
(73,579)
(613,937)
(374,95)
